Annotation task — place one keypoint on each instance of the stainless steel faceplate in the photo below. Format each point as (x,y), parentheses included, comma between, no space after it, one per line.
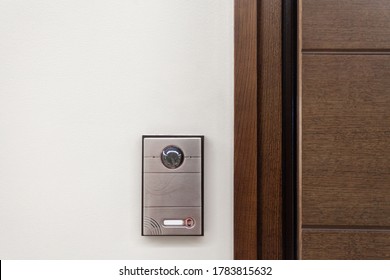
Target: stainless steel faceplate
(172,185)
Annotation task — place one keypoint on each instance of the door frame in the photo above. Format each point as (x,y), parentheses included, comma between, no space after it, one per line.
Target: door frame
(265,129)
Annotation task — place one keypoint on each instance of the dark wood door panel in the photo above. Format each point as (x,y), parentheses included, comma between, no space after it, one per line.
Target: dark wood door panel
(346,140)
(350,203)
(345,244)
(346,24)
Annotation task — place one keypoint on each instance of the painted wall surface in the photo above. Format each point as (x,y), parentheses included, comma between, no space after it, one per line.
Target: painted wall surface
(80,82)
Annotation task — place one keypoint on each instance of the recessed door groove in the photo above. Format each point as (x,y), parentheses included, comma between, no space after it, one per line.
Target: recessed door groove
(345,228)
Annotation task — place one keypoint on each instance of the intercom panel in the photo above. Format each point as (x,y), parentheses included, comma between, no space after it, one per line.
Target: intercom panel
(172,185)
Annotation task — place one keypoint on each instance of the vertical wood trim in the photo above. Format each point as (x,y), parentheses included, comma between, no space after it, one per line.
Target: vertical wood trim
(245,129)
(299,125)
(262,227)
(270,129)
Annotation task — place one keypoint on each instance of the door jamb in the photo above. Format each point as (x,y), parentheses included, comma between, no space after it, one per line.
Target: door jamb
(265,129)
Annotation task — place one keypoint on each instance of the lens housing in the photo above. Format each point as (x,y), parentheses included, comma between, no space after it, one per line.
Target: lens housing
(172,157)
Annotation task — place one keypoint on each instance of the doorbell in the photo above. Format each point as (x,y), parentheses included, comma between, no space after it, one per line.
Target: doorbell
(172,185)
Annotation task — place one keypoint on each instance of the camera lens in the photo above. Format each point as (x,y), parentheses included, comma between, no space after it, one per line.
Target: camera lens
(172,157)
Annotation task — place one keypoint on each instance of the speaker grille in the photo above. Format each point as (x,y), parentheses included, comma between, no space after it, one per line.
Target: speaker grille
(152,227)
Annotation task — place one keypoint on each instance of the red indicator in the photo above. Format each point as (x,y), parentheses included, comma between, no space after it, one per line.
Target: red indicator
(189,222)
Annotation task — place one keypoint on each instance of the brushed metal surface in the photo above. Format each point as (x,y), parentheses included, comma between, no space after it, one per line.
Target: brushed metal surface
(172,189)
(189,165)
(190,146)
(172,194)
(155,216)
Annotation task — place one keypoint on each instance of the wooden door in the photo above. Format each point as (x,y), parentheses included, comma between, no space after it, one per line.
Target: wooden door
(344,144)
(326,140)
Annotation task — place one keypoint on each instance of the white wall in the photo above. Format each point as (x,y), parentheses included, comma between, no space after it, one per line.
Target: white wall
(80,82)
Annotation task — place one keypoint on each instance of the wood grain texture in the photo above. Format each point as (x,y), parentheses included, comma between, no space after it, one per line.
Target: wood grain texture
(245,130)
(299,127)
(258,130)
(270,130)
(347,24)
(345,244)
(345,140)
